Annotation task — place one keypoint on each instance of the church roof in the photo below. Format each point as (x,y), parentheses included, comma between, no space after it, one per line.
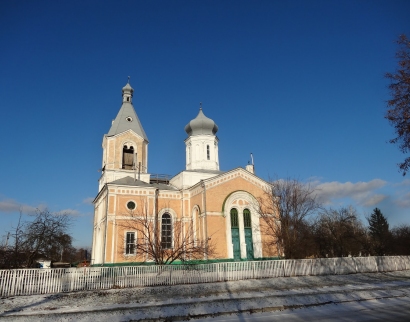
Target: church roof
(228,173)
(201,125)
(127,118)
(128,181)
(206,171)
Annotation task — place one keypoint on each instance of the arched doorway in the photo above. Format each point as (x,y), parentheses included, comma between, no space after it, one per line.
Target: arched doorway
(243,236)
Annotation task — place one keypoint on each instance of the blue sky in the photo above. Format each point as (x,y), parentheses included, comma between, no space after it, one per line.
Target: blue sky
(297,83)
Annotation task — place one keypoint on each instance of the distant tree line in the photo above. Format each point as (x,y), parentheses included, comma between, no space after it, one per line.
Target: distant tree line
(298,226)
(43,236)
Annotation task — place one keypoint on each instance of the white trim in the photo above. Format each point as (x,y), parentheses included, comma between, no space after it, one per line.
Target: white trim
(131,200)
(195,210)
(168,210)
(130,131)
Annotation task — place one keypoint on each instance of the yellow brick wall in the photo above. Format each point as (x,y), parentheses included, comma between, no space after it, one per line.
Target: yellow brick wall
(217,233)
(216,194)
(123,226)
(110,235)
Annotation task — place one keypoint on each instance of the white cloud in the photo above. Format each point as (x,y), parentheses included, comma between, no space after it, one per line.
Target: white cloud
(10,205)
(374,200)
(404,183)
(403,201)
(70,212)
(88,201)
(361,192)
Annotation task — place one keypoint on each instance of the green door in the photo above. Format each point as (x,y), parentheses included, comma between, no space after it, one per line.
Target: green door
(235,234)
(236,244)
(247,223)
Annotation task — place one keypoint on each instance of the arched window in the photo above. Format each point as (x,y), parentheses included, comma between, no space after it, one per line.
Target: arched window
(127,157)
(166,231)
(208,156)
(234,218)
(247,218)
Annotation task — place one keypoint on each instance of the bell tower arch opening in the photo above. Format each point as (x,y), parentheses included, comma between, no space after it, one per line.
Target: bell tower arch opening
(127,157)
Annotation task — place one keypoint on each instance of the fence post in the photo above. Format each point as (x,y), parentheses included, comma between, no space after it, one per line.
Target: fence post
(13,283)
(253,270)
(311,266)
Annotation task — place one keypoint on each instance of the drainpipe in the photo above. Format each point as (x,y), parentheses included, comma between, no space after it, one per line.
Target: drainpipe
(156,233)
(106,226)
(206,217)
(92,259)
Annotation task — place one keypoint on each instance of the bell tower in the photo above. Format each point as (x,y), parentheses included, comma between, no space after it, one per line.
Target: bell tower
(125,147)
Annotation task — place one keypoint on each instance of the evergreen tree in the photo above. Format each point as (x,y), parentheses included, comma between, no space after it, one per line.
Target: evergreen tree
(379,232)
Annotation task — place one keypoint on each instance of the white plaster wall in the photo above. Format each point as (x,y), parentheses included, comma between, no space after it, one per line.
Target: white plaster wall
(196,152)
(187,179)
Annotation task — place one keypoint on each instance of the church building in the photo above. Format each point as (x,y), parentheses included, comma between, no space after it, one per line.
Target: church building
(219,207)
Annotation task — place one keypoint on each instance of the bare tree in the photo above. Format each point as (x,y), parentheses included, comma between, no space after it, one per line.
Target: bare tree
(400,244)
(13,255)
(339,232)
(47,231)
(182,244)
(44,236)
(284,210)
(398,113)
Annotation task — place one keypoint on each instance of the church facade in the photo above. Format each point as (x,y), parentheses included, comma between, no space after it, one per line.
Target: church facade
(218,206)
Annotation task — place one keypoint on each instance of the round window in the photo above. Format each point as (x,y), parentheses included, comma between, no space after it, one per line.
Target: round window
(129,118)
(131,205)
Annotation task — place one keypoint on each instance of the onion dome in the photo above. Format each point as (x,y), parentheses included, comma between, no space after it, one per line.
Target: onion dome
(127,88)
(201,125)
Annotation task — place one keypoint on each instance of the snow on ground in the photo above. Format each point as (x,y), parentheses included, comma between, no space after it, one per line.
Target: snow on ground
(382,310)
(202,300)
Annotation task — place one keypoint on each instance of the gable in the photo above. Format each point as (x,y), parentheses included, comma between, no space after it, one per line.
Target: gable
(237,176)
(219,188)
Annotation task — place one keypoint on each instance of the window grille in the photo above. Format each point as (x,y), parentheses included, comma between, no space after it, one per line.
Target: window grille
(234,218)
(130,244)
(166,231)
(247,218)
